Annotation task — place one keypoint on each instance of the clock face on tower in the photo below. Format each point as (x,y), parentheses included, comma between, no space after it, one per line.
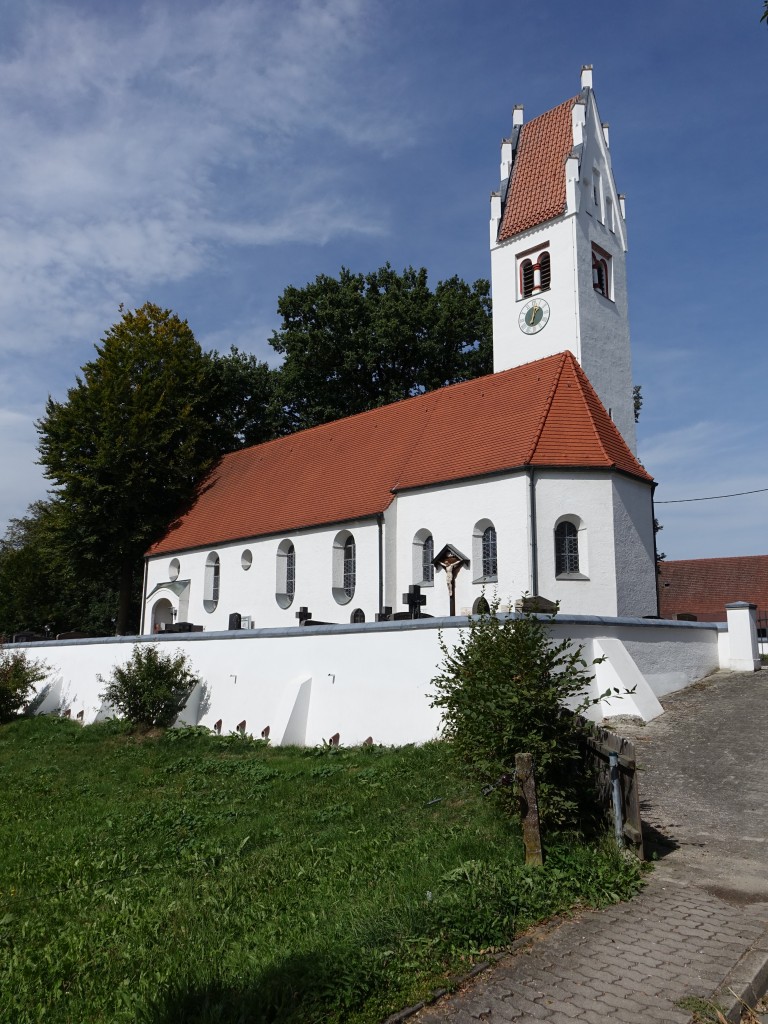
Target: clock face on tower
(534,316)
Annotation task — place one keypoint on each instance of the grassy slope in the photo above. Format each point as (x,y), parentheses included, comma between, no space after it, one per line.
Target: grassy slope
(193,878)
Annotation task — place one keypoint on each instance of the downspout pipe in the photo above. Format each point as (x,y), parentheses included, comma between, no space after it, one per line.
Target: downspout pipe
(144,596)
(655,554)
(380,523)
(533,541)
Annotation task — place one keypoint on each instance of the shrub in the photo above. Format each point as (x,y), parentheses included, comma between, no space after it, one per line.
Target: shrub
(501,691)
(18,676)
(152,687)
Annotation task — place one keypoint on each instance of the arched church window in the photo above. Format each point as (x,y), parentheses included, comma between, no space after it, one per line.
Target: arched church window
(545,271)
(344,567)
(350,566)
(566,548)
(526,278)
(285,586)
(427,554)
(484,557)
(490,565)
(211,582)
(423,551)
(358,615)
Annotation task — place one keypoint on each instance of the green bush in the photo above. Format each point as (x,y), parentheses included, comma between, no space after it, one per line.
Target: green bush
(501,691)
(151,688)
(18,676)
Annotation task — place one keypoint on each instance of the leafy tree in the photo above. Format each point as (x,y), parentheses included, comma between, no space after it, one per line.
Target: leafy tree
(152,688)
(125,451)
(247,409)
(501,691)
(18,676)
(360,341)
(39,586)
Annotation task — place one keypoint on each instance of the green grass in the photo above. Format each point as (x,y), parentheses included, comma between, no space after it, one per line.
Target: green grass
(187,877)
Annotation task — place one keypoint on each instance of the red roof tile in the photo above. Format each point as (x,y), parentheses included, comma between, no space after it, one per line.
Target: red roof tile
(536,191)
(703,586)
(543,413)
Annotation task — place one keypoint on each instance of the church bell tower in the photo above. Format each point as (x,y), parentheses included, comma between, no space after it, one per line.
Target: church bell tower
(558,251)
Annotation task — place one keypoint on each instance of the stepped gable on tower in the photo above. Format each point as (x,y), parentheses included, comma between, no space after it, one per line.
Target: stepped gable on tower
(542,414)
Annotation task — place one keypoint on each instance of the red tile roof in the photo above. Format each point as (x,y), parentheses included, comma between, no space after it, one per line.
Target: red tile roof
(703,586)
(536,189)
(544,413)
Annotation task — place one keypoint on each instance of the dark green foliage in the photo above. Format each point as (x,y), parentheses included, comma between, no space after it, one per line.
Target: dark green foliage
(40,589)
(130,444)
(152,688)
(360,341)
(501,692)
(189,877)
(18,676)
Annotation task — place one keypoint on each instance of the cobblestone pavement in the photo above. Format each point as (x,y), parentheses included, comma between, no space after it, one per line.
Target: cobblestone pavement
(700,927)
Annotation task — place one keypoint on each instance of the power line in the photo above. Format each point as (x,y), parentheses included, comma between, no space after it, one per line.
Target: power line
(711,497)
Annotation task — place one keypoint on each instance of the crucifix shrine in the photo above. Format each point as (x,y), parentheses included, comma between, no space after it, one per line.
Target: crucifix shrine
(450,560)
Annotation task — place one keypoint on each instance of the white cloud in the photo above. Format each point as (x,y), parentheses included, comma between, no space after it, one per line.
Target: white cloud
(133,149)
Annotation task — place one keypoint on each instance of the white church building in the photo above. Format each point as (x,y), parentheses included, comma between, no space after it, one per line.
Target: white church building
(523,481)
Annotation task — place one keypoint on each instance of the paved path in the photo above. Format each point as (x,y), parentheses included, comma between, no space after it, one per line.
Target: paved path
(700,927)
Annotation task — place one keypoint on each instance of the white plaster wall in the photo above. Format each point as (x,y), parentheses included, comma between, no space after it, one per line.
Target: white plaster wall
(633,547)
(590,497)
(510,346)
(450,514)
(604,323)
(252,592)
(370,680)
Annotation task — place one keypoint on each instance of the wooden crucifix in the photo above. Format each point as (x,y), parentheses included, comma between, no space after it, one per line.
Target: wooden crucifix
(450,560)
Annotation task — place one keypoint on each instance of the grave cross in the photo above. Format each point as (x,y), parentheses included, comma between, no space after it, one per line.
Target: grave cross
(414,599)
(303,615)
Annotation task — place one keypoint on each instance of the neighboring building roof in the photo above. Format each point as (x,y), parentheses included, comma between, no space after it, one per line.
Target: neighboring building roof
(544,413)
(536,191)
(703,586)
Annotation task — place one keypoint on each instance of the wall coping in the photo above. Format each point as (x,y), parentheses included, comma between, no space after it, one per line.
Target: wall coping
(398,626)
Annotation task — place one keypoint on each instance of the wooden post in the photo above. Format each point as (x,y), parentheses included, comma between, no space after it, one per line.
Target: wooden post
(529,809)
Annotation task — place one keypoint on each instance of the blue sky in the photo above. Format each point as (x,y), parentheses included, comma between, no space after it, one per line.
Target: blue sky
(204,156)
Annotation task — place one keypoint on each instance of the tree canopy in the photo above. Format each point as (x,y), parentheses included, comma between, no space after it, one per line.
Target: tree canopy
(127,448)
(358,341)
(152,412)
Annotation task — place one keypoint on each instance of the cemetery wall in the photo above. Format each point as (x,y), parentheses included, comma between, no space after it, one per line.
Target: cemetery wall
(371,679)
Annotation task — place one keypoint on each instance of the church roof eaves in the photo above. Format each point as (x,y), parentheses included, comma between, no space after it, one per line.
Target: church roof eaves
(542,414)
(536,191)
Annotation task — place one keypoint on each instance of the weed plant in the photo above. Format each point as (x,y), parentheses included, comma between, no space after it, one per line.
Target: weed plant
(185,877)
(502,691)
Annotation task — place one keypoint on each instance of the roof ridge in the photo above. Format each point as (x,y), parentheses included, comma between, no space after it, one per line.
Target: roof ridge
(547,407)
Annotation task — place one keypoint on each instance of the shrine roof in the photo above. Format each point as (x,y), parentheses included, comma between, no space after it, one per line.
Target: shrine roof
(536,191)
(541,414)
(703,586)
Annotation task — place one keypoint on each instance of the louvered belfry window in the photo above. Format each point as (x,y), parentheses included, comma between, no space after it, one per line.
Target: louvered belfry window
(526,278)
(545,271)
(566,549)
